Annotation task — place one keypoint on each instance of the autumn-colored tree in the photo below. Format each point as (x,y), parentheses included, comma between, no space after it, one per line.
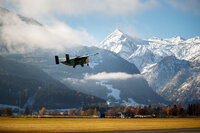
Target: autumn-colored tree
(162,112)
(55,113)
(86,113)
(117,111)
(89,112)
(70,112)
(95,112)
(137,112)
(42,111)
(169,111)
(77,112)
(49,112)
(82,112)
(125,110)
(133,111)
(110,112)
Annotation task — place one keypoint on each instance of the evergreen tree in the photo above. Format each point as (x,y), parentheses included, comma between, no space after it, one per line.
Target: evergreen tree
(8,111)
(27,111)
(174,110)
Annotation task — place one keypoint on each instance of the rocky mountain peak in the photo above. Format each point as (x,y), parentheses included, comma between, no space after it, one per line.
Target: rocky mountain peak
(117,32)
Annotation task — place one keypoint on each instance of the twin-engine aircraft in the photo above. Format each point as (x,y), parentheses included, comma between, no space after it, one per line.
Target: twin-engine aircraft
(79,60)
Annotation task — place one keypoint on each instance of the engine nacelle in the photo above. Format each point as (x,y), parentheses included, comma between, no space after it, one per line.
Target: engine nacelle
(87,61)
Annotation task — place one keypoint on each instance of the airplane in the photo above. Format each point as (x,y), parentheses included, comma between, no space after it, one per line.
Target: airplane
(79,60)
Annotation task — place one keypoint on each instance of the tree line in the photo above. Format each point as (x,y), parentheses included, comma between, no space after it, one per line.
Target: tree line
(155,110)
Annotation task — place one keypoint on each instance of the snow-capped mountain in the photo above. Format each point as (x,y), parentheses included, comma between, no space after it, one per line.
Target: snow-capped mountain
(24,85)
(177,46)
(159,60)
(99,78)
(144,58)
(144,53)
(184,86)
(164,71)
(121,44)
(114,73)
(109,76)
(188,91)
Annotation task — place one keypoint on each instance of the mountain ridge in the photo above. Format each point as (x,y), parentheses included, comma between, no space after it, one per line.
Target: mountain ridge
(118,53)
(156,50)
(24,85)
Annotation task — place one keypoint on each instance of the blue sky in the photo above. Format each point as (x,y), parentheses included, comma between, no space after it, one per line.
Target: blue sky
(140,18)
(164,21)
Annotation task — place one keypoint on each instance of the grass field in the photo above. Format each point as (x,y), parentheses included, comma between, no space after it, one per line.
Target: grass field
(91,125)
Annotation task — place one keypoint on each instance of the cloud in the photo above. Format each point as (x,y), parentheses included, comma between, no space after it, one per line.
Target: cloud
(55,34)
(111,76)
(130,30)
(74,80)
(186,5)
(28,34)
(41,8)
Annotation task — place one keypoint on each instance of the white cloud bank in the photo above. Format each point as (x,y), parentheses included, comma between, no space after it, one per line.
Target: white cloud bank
(56,34)
(186,5)
(16,33)
(41,8)
(111,76)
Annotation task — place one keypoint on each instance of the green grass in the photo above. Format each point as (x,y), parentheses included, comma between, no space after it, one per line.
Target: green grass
(91,125)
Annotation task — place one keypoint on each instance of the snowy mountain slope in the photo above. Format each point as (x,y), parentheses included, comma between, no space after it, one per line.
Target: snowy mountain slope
(157,59)
(25,85)
(180,48)
(144,53)
(121,44)
(164,71)
(182,88)
(104,64)
(143,58)
(120,90)
(188,91)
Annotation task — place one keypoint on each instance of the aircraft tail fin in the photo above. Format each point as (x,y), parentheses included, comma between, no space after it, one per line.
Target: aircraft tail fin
(57,59)
(67,58)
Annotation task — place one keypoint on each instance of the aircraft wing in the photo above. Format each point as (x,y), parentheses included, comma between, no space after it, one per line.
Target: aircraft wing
(90,55)
(63,59)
